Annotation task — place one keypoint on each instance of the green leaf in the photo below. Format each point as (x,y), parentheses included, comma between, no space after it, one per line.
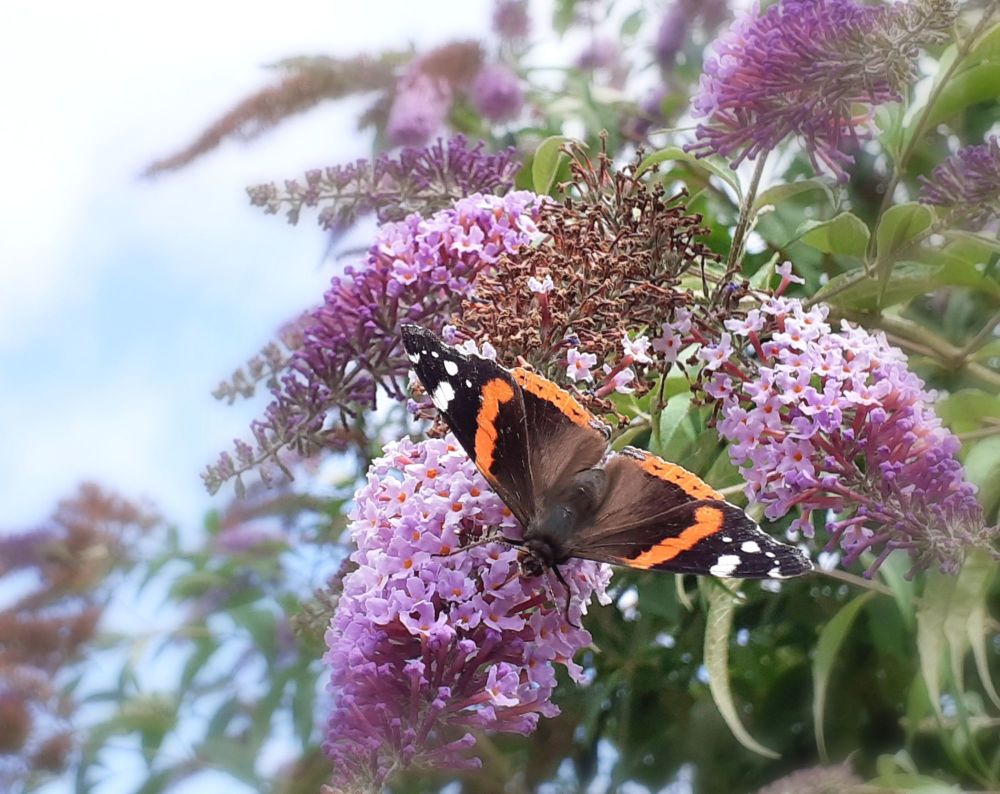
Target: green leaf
(978,84)
(966,409)
(986,49)
(889,119)
(830,639)
(969,592)
(235,756)
(677,427)
(898,228)
(907,280)
(982,467)
(893,572)
(974,248)
(204,649)
(778,193)
(633,23)
(845,234)
(304,705)
(718,628)
(761,279)
(710,165)
(262,626)
(545,165)
(931,643)
(978,630)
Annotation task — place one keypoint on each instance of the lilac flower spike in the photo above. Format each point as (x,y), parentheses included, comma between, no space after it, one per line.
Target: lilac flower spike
(833,422)
(967,183)
(428,642)
(418,270)
(800,67)
(416,179)
(419,108)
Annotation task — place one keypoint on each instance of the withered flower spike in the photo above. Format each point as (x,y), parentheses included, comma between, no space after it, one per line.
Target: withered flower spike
(615,250)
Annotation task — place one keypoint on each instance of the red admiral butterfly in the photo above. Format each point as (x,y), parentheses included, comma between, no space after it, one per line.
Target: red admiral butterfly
(547,457)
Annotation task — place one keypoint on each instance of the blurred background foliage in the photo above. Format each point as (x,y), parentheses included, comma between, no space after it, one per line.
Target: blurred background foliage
(838,682)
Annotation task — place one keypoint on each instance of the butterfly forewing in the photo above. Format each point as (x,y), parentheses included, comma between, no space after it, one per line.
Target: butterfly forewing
(483,406)
(564,438)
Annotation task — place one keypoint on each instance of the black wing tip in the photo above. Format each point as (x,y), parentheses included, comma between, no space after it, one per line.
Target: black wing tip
(412,332)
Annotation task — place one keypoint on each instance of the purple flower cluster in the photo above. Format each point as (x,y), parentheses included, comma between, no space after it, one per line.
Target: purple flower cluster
(510,19)
(799,69)
(430,641)
(673,32)
(418,109)
(423,180)
(496,93)
(967,183)
(417,271)
(833,422)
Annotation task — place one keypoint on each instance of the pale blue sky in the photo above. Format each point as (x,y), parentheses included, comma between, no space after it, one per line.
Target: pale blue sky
(123,302)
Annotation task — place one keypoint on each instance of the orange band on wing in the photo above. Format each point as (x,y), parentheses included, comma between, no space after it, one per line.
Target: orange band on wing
(495,393)
(691,484)
(708,521)
(548,391)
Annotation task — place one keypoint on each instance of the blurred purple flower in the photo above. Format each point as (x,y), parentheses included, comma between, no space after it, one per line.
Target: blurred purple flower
(968,183)
(801,67)
(417,271)
(834,422)
(672,32)
(510,19)
(429,640)
(249,539)
(599,53)
(418,109)
(496,93)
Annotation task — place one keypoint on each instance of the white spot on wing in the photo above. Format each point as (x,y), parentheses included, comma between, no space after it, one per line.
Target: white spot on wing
(750,547)
(775,573)
(435,354)
(451,368)
(725,565)
(769,554)
(414,357)
(468,383)
(442,395)
(726,539)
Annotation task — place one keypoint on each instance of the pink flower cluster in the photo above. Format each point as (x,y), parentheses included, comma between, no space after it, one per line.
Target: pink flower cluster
(430,640)
(833,422)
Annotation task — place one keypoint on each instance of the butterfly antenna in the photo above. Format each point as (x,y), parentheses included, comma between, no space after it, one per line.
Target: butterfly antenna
(569,596)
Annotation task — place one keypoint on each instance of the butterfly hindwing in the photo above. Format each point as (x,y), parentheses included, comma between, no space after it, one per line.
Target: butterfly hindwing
(484,408)
(660,516)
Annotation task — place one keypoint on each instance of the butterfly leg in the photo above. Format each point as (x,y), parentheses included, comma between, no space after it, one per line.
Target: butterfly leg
(491,537)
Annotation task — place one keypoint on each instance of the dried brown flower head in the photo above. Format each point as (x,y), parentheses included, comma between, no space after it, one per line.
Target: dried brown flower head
(615,250)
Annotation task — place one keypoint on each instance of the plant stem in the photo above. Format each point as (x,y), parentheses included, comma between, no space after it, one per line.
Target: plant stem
(743,224)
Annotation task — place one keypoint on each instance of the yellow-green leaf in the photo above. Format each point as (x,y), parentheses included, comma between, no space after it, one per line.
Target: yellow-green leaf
(721,606)
(845,233)
(830,639)
(545,165)
(899,226)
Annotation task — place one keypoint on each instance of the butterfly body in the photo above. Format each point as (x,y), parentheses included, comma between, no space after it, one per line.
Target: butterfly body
(547,457)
